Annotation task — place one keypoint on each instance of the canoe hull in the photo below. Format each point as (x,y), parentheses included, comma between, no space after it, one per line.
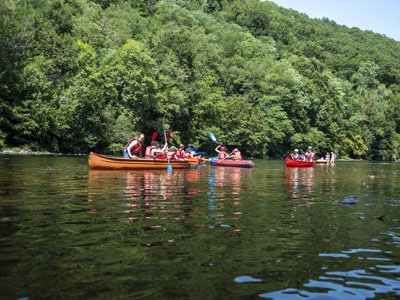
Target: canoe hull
(232,163)
(322,161)
(99,161)
(290,163)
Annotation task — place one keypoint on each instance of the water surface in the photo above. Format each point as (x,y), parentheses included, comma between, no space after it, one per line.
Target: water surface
(206,233)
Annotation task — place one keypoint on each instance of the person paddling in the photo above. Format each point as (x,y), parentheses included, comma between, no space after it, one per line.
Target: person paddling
(221,150)
(158,152)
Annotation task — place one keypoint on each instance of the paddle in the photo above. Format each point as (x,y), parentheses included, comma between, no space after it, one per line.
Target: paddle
(169,167)
(213,138)
(154,136)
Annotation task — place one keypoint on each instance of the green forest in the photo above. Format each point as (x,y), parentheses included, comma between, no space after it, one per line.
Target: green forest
(86,75)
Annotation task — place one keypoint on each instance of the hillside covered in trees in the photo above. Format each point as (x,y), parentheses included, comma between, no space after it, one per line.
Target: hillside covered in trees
(81,75)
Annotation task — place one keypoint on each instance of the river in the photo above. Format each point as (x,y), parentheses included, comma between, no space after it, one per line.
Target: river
(327,232)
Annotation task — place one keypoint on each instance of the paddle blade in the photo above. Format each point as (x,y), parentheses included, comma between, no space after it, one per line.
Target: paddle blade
(169,168)
(154,136)
(213,160)
(168,133)
(212,137)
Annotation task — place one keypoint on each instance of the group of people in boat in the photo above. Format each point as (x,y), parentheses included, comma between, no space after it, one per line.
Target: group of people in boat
(134,148)
(223,154)
(155,150)
(310,156)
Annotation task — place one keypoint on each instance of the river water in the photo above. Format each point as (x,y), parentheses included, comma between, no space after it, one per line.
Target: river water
(328,232)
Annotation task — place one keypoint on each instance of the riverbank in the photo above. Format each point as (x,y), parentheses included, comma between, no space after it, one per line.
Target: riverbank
(30,152)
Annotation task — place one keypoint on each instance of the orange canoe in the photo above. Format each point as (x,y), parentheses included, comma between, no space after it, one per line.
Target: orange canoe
(99,161)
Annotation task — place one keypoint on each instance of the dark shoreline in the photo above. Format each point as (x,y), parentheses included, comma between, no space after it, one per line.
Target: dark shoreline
(25,152)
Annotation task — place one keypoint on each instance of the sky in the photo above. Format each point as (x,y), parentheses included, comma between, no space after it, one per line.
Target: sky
(380,16)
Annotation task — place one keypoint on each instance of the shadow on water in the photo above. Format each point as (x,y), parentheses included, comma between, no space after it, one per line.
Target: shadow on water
(328,232)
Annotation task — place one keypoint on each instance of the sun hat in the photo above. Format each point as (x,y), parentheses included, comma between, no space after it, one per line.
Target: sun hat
(235,150)
(223,148)
(296,150)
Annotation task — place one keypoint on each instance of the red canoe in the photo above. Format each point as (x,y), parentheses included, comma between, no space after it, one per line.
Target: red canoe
(243,163)
(290,163)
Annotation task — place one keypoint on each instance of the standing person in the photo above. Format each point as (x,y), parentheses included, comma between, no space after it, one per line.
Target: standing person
(333,157)
(295,155)
(133,149)
(236,155)
(221,150)
(309,155)
(328,157)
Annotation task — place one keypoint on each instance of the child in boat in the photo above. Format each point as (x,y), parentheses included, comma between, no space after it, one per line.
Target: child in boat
(180,152)
(235,154)
(191,151)
(171,154)
(158,152)
(221,150)
(189,148)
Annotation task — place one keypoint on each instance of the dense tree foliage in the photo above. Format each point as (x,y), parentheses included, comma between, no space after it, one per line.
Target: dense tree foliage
(83,75)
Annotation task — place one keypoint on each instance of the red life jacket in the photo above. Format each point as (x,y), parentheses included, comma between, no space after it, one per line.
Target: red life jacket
(148,151)
(129,142)
(180,153)
(222,155)
(161,156)
(309,156)
(137,148)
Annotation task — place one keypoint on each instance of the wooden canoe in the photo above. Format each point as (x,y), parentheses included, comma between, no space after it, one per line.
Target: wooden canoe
(99,161)
(243,163)
(322,161)
(290,163)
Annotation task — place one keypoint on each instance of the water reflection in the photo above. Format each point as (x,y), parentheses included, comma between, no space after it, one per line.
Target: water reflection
(300,184)
(157,196)
(224,191)
(142,193)
(306,185)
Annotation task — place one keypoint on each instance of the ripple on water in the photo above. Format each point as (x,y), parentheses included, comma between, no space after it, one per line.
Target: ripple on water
(381,279)
(354,284)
